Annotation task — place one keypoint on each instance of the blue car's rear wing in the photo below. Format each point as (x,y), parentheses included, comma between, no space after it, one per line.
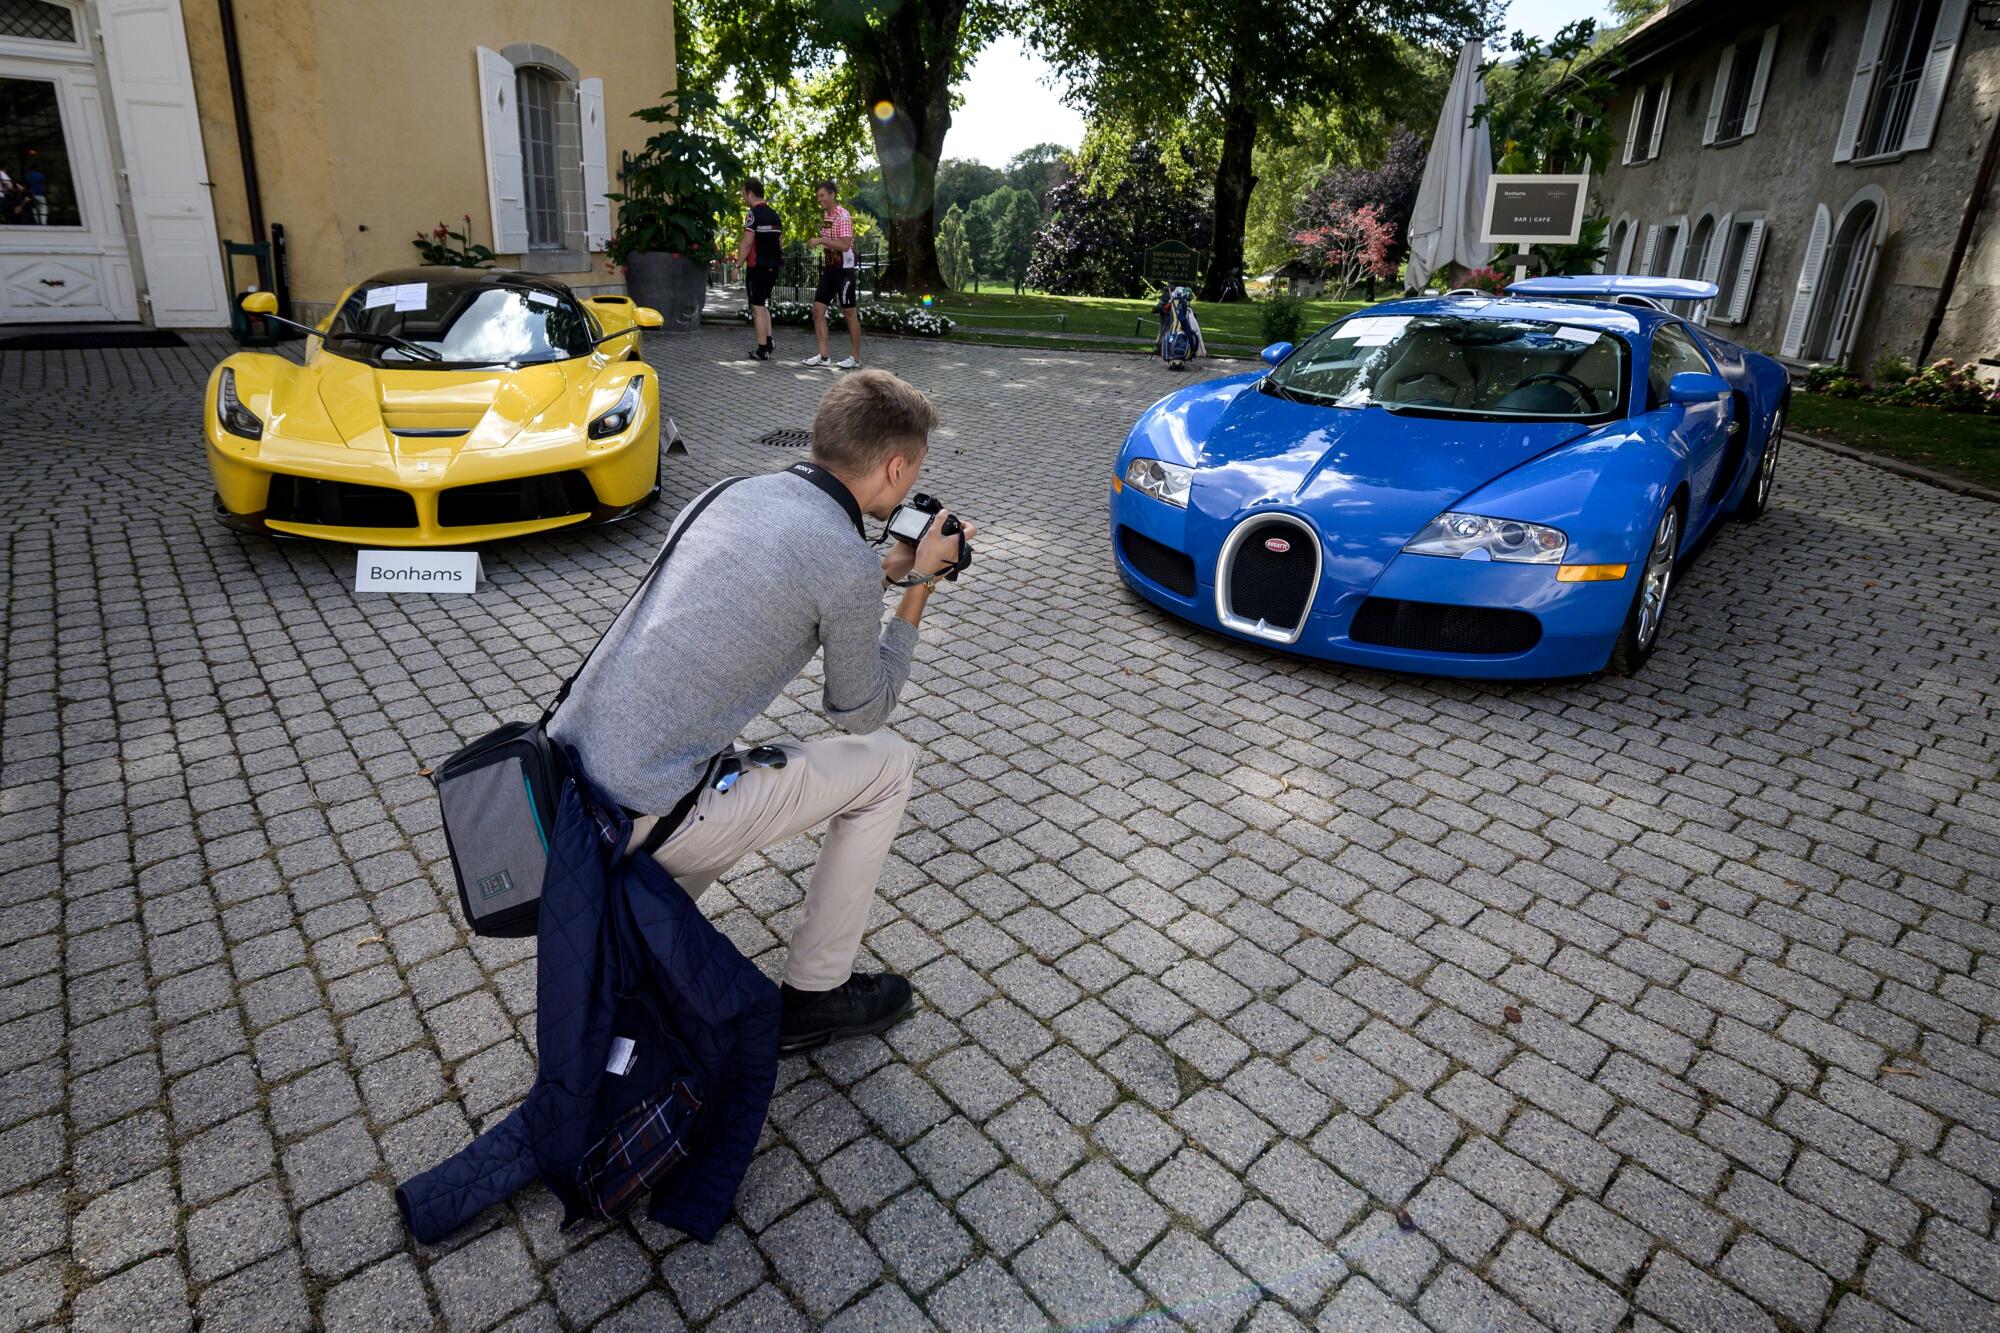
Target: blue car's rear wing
(1583,286)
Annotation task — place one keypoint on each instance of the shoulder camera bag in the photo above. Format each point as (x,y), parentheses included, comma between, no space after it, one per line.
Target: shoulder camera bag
(498,795)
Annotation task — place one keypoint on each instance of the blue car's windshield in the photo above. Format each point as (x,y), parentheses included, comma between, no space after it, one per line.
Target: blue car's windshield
(1497,368)
(431,325)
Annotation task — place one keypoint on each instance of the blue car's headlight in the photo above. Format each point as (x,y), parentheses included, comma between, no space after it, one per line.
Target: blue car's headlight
(1162,481)
(621,414)
(1476,537)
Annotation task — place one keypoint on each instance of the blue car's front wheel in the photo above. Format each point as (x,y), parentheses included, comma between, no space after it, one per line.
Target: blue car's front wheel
(1641,632)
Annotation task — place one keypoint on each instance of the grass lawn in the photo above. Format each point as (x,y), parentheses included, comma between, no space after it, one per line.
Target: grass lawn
(1959,443)
(1001,312)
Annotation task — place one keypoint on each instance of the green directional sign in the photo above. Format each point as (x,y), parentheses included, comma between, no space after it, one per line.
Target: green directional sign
(1171,263)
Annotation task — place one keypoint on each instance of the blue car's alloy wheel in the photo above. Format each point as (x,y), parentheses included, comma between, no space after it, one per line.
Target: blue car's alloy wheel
(1649,603)
(1758,497)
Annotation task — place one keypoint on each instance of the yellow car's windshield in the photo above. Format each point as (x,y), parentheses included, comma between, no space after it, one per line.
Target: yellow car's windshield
(444,326)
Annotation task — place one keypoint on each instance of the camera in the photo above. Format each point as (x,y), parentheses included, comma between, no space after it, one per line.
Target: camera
(913,518)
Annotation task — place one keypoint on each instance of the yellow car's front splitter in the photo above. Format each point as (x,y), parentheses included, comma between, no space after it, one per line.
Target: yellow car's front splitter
(366,498)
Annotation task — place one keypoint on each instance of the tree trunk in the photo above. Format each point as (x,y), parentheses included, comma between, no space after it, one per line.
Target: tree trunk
(1233,183)
(911,70)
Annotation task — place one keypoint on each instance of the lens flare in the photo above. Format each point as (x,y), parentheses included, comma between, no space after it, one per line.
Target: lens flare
(928,300)
(885,110)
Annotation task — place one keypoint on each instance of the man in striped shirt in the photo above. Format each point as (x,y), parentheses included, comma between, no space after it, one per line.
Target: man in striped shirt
(838,279)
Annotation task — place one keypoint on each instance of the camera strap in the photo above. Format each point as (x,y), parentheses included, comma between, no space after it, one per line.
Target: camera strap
(835,488)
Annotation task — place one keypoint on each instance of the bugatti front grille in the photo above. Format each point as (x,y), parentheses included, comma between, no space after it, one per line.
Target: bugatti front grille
(1271,575)
(516,500)
(1432,627)
(338,504)
(1171,569)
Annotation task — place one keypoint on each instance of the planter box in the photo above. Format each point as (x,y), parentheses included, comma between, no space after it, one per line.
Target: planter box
(672,285)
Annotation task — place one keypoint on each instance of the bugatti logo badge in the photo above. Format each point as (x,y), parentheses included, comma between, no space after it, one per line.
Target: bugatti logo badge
(1277,545)
(495,884)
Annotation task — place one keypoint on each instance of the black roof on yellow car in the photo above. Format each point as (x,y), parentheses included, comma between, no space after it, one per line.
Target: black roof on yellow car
(442,275)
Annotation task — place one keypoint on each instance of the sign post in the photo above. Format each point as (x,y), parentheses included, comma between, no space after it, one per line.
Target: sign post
(1533,210)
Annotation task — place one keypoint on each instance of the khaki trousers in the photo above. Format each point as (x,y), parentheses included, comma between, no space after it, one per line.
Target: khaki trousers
(859,783)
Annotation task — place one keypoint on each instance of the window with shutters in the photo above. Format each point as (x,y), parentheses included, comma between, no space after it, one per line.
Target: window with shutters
(1696,258)
(1736,273)
(1665,250)
(1843,283)
(546,166)
(1897,79)
(1649,115)
(1900,77)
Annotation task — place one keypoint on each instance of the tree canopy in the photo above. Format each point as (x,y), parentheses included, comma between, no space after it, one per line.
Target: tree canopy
(1243,67)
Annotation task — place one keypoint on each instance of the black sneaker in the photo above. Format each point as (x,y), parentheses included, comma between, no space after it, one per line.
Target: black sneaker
(761,352)
(868,1002)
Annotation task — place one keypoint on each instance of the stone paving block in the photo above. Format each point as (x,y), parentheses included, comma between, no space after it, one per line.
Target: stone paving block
(1361,1307)
(704,1278)
(266,1297)
(152,1295)
(1776,1280)
(599,1277)
(1688,1298)
(230,1233)
(1186,1276)
(113,1230)
(1116,1212)
(1197,1187)
(1007,1211)
(983,1297)
(485,1280)
(350,1230)
(919,1240)
(1075,1281)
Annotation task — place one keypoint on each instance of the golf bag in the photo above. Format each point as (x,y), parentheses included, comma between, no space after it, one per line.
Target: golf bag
(1180,333)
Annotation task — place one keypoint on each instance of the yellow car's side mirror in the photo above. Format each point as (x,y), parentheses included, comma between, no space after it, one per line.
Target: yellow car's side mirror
(645,317)
(260,303)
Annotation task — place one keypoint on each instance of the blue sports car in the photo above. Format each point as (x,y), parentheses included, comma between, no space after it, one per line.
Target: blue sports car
(1461,485)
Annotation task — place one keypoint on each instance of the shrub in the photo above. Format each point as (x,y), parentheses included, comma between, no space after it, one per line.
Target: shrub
(1817,378)
(1347,245)
(876,315)
(1280,318)
(1487,280)
(1889,371)
(1942,386)
(1844,386)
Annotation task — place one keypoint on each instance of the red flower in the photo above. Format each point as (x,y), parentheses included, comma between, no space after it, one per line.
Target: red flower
(440,231)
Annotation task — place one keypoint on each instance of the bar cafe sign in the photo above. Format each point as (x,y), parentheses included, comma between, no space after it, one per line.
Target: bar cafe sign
(1534,210)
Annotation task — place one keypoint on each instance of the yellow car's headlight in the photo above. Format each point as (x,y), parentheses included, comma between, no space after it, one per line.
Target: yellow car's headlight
(229,410)
(621,413)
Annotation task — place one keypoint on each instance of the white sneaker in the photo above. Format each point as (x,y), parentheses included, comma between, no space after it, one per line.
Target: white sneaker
(816,360)
(847,363)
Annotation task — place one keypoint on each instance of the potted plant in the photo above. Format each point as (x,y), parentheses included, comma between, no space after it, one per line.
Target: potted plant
(677,191)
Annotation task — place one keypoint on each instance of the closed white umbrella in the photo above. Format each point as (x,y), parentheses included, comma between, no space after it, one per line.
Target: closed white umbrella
(1444,225)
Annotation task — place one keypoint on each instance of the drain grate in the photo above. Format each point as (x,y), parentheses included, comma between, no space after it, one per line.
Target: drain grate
(788,439)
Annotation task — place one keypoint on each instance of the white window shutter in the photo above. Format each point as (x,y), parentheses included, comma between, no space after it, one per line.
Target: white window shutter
(1625,250)
(1652,244)
(1673,268)
(1937,75)
(1760,81)
(1632,131)
(1721,93)
(1660,120)
(1872,35)
(506,190)
(596,166)
(1718,241)
(1802,296)
(1746,273)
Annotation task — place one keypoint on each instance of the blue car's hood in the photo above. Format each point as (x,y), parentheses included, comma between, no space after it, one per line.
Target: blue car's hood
(1368,478)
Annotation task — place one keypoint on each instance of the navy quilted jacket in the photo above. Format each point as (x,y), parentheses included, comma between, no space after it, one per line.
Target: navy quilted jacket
(609,925)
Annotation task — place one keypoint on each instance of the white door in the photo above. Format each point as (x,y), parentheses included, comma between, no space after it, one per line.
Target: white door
(152,87)
(63,255)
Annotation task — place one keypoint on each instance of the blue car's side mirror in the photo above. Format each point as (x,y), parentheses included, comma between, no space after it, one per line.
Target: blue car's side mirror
(1696,386)
(1275,353)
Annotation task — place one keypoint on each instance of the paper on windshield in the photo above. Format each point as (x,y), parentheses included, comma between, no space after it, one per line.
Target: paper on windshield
(541,298)
(1374,330)
(1571,333)
(405,296)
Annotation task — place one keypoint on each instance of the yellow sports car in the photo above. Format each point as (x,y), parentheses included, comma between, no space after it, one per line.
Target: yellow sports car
(440,407)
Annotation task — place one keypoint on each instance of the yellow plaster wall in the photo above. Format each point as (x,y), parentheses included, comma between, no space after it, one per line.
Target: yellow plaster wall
(365,114)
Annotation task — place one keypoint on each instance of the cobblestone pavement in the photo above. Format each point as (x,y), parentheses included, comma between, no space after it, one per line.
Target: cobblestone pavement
(1263,993)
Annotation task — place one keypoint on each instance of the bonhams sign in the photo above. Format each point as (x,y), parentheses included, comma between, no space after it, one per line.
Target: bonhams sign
(416,571)
(1534,210)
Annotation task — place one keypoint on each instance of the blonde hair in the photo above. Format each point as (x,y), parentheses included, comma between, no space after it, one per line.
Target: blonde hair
(867,417)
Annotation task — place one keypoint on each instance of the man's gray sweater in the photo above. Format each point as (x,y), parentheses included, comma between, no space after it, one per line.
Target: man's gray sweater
(771,572)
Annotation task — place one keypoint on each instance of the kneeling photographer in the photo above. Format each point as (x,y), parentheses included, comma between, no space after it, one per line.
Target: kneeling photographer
(770,570)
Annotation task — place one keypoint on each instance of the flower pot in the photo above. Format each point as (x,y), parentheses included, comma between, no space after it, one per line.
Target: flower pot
(675,286)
